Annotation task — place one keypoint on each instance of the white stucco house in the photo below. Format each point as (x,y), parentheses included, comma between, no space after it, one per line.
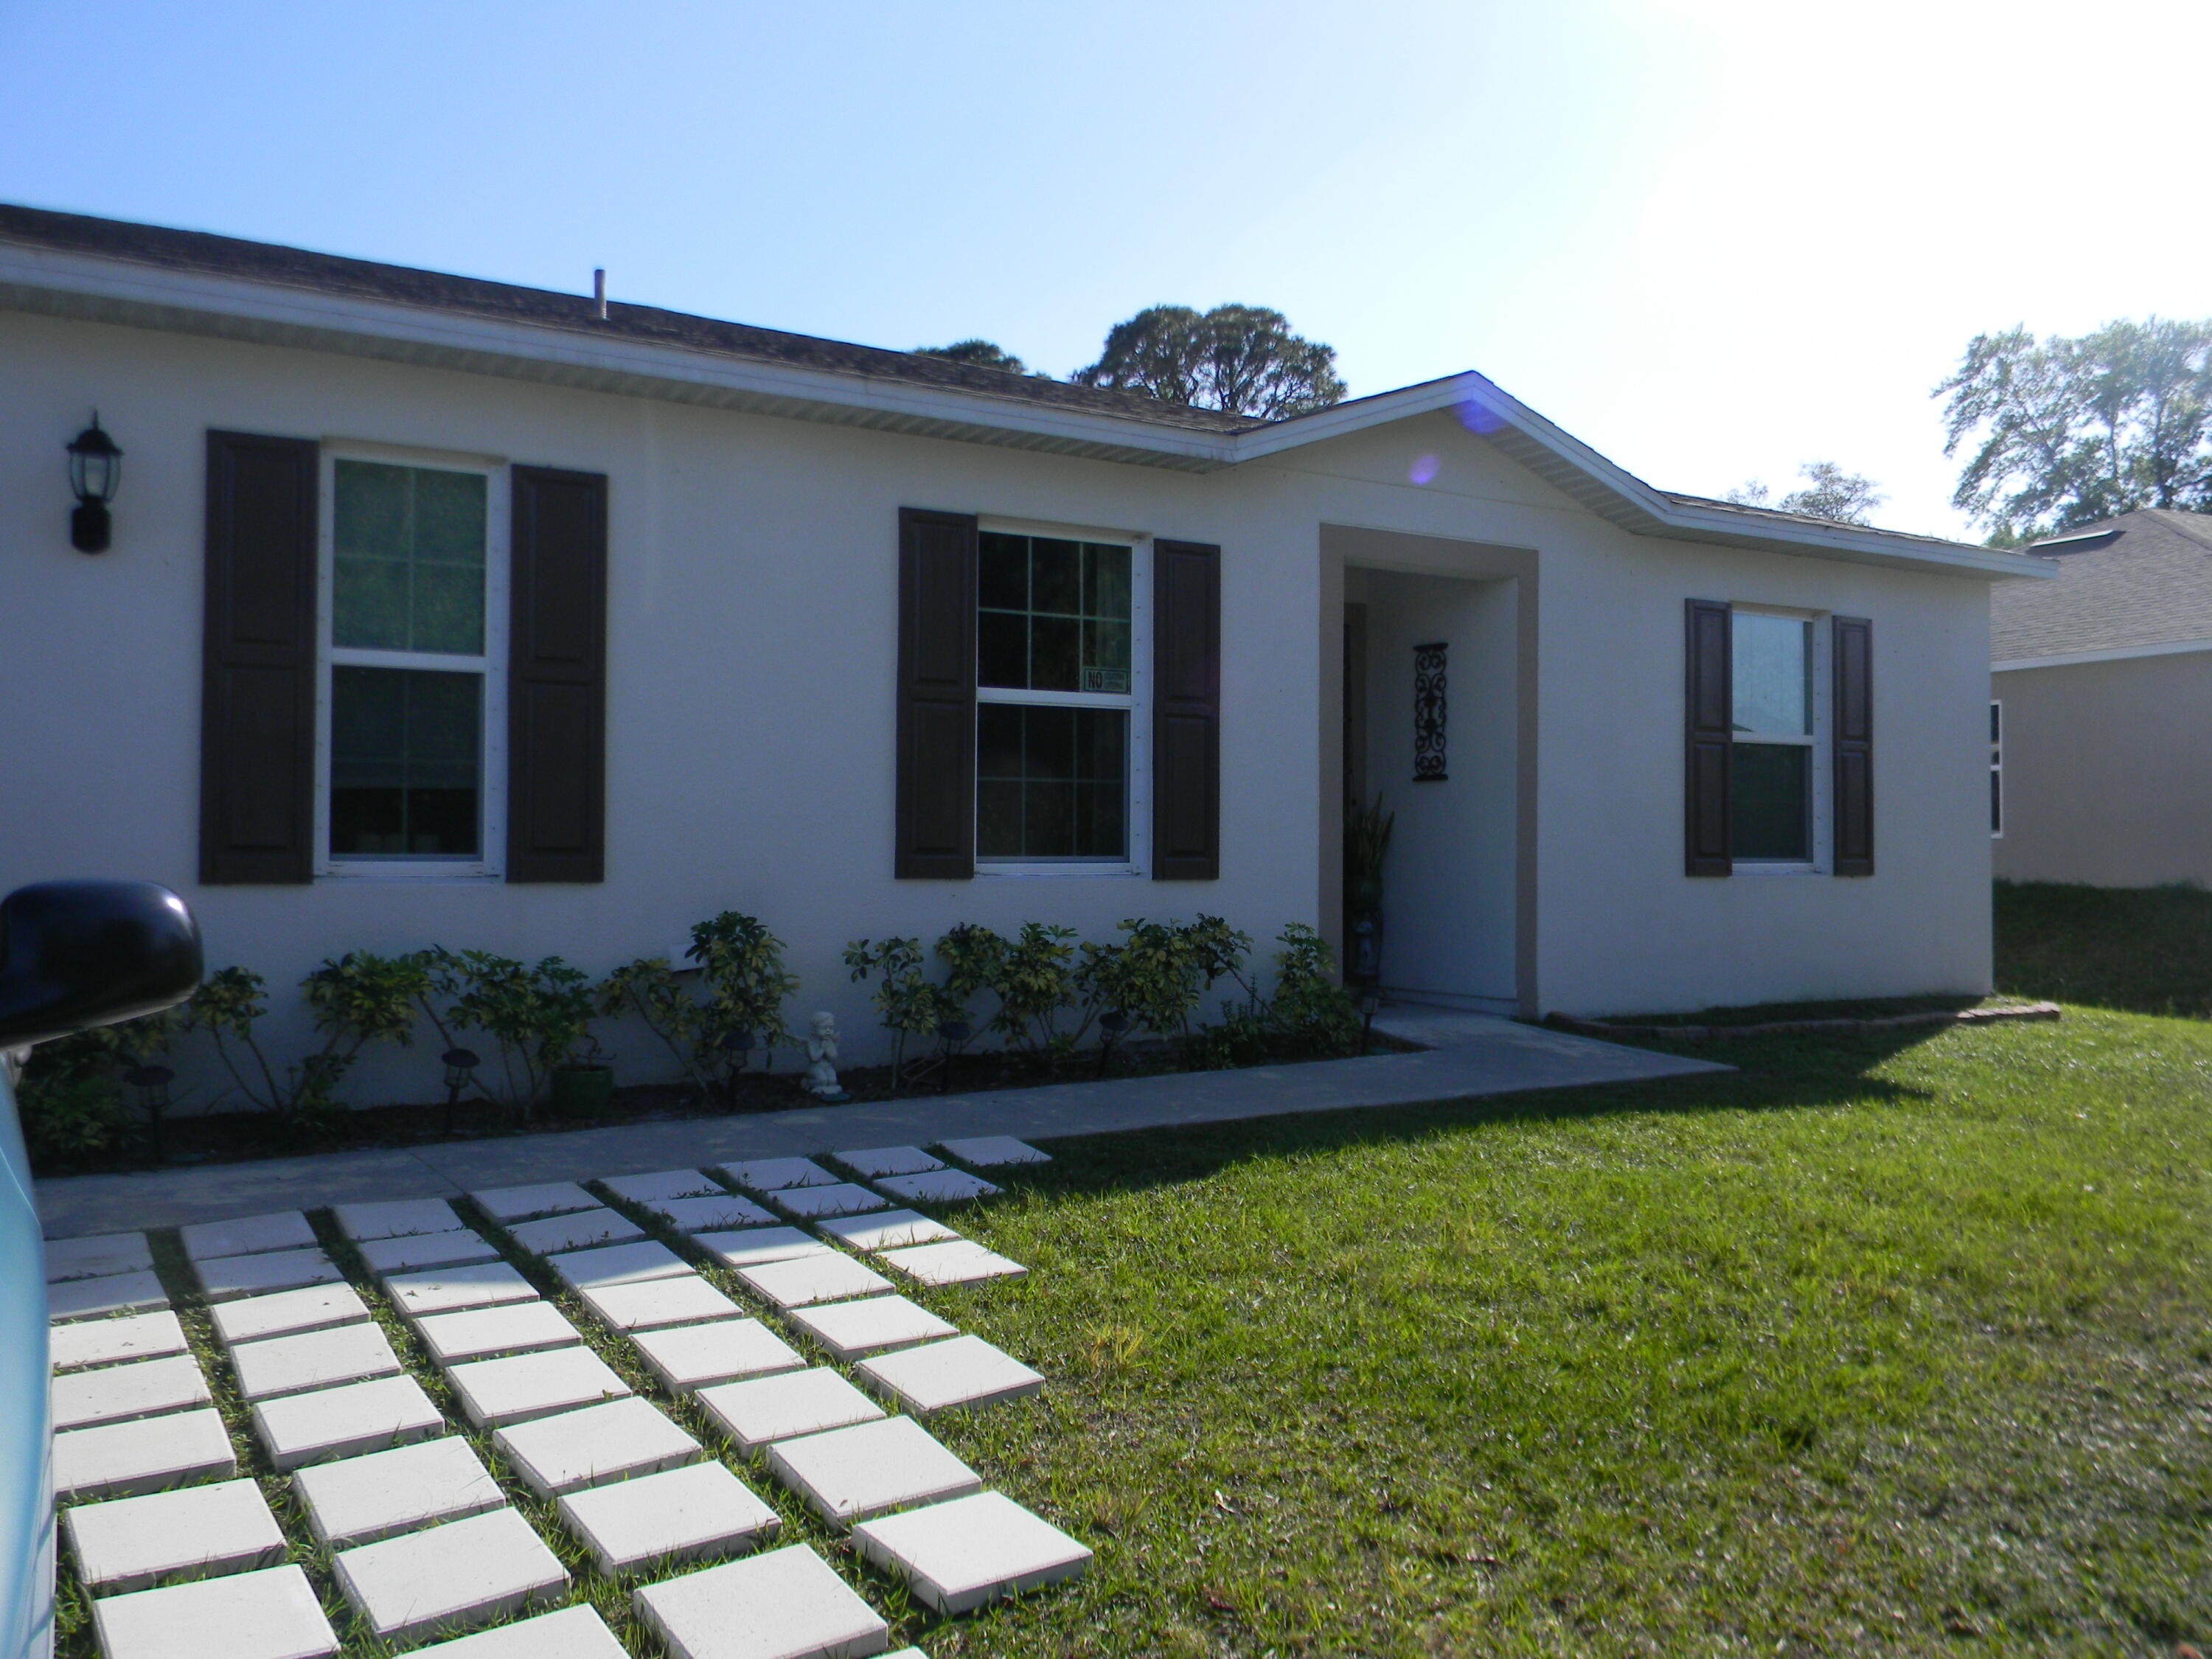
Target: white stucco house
(443,611)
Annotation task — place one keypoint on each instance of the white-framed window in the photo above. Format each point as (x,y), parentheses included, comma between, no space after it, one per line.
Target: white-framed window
(1778,787)
(412,688)
(1063,736)
(1996,770)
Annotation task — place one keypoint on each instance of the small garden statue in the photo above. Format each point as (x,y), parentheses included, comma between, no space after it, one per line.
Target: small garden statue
(821,1060)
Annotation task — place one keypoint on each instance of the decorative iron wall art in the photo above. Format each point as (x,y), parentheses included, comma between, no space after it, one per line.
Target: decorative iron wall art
(1428,713)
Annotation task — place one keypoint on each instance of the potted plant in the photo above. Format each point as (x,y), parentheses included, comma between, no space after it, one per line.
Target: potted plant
(583,1086)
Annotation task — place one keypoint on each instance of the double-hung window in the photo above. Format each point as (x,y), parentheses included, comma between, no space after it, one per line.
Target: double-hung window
(1774,732)
(1060,684)
(413,694)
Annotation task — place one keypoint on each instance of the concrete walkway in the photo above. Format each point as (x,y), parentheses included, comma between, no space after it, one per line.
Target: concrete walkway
(1475,1054)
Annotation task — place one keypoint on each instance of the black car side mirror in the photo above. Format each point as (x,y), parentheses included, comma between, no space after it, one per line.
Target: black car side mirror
(79,953)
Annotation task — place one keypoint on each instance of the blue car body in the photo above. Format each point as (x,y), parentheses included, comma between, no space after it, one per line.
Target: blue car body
(26,1485)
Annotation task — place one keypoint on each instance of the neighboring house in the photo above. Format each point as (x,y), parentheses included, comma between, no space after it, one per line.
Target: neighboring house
(439,610)
(2100,710)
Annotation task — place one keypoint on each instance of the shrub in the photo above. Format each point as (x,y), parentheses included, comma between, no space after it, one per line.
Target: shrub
(746,983)
(908,1004)
(1309,1014)
(1035,982)
(649,989)
(357,998)
(538,1016)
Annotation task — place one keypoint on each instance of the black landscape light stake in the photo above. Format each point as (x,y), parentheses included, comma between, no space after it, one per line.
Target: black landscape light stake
(950,1034)
(95,469)
(1369,1002)
(1111,1024)
(460,1062)
(152,1083)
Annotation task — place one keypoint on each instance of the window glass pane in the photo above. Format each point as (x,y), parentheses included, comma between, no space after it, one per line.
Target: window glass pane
(1773,680)
(410,565)
(1054,614)
(406,749)
(1052,783)
(1770,802)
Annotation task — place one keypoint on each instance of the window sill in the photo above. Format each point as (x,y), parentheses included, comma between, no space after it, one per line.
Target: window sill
(1083,871)
(1762,867)
(430,874)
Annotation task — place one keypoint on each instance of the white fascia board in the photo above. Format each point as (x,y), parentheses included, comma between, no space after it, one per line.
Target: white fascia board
(139,295)
(2116,653)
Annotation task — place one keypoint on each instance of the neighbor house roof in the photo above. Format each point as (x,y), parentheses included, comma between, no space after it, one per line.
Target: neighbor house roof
(2143,580)
(146,276)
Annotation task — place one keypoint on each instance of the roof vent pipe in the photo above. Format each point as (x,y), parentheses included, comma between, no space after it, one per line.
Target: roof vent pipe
(599,292)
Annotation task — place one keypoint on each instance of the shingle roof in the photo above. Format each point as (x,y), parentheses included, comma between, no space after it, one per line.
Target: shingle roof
(2141,579)
(365,279)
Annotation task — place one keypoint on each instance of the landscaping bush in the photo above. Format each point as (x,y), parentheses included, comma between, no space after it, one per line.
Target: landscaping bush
(539,1016)
(742,972)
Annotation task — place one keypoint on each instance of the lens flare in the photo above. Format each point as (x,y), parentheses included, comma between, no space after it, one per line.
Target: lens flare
(1424,468)
(1474,410)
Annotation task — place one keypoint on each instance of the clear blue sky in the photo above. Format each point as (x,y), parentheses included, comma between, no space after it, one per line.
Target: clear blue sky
(1713,238)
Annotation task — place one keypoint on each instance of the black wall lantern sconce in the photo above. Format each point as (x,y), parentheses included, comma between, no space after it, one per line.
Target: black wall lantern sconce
(95,468)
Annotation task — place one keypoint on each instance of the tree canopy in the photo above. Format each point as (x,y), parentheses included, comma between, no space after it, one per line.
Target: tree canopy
(983,354)
(1829,493)
(2068,432)
(1241,358)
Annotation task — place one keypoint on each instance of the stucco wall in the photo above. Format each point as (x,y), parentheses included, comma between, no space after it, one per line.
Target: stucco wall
(2108,771)
(750,708)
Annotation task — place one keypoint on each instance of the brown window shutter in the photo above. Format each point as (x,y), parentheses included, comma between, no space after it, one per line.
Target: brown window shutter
(1854,745)
(557,699)
(1186,711)
(258,665)
(1709,706)
(936,767)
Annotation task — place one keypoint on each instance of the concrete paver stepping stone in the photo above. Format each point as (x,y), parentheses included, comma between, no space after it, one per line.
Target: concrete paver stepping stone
(961,1263)
(992,1152)
(447,1290)
(578,1230)
(151,1454)
(757,1413)
(126,1543)
(360,1500)
(702,1215)
(875,1324)
(940,1376)
(229,1277)
(454,1339)
(660,1185)
(621,1439)
(784,1604)
(112,1342)
(300,1428)
(445,1578)
(679,1299)
(687,1514)
(363,1221)
(524,1386)
(285,1230)
(94,1298)
(689,1357)
(115,1394)
(102,1256)
(886,1229)
(312,1359)
(870,1468)
(270,1615)
(506,1204)
(571,1633)
(889,1160)
(411,1253)
(808,1278)
(254,1317)
(773,1175)
(937,1187)
(812,1203)
(957,1556)
(619,1264)
(751,1249)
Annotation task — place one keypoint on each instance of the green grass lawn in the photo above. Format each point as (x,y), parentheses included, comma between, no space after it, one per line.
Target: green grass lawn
(1896,1346)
